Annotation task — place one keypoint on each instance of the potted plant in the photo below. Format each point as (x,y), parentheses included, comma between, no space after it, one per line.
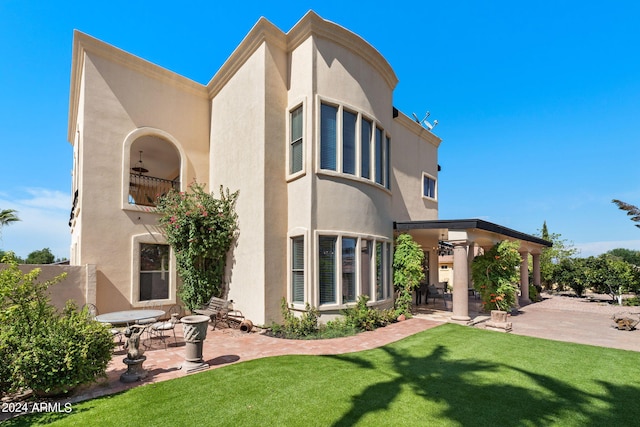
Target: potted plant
(495,277)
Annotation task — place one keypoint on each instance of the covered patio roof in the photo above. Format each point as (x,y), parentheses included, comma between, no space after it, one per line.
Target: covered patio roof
(476,230)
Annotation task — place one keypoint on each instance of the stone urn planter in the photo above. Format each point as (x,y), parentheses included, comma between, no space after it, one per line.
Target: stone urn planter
(195,331)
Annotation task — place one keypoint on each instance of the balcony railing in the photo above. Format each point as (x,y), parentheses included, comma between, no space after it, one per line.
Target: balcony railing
(144,190)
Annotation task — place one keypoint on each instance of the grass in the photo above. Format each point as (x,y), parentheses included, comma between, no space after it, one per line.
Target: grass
(446,376)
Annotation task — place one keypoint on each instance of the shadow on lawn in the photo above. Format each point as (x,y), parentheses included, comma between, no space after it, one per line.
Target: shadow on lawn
(462,386)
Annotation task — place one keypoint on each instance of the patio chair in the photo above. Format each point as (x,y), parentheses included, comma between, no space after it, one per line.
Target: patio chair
(92,310)
(159,328)
(433,292)
(221,310)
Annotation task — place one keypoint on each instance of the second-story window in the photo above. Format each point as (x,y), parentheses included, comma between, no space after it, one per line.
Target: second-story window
(349,121)
(328,136)
(428,186)
(296,147)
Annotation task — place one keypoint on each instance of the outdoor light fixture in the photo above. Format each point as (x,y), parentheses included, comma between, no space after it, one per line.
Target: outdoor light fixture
(139,167)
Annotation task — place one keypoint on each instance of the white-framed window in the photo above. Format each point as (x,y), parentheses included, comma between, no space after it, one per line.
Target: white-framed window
(353,144)
(154,272)
(365,147)
(350,266)
(429,187)
(349,138)
(328,136)
(297,270)
(153,276)
(296,146)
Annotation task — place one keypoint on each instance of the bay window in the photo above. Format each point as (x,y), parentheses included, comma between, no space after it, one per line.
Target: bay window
(342,272)
(353,144)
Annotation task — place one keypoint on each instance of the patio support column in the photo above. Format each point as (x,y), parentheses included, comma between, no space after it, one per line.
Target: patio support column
(524,277)
(536,270)
(460,281)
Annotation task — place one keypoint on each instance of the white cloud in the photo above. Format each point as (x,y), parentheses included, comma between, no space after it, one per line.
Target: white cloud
(44,218)
(597,248)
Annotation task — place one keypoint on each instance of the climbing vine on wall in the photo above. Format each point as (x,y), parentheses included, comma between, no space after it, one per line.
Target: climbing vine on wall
(495,275)
(201,230)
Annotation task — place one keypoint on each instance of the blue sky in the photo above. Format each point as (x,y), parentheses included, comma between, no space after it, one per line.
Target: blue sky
(538,102)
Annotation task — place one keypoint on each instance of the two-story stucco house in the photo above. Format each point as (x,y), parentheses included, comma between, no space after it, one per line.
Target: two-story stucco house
(301,123)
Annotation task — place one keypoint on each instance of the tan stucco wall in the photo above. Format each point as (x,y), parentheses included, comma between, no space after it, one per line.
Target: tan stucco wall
(78,285)
(248,154)
(118,99)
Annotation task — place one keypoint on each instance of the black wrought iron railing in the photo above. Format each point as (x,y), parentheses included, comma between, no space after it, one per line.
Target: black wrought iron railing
(144,190)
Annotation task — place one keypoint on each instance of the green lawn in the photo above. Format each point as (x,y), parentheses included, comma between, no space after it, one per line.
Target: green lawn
(447,376)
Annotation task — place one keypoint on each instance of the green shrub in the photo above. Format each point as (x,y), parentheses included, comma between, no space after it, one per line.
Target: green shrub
(364,318)
(633,301)
(40,348)
(294,327)
(337,328)
(533,293)
(355,319)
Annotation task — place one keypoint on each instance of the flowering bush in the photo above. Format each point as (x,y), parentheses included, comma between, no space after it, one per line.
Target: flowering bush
(495,276)
(201,230)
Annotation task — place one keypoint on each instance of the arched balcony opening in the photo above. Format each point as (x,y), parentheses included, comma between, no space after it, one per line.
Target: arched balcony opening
(154,169)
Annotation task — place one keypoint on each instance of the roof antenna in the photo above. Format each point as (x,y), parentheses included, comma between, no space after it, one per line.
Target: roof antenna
(424,122)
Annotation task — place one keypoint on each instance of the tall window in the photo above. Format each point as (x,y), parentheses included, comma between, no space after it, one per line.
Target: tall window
(154,272)
(297,269)
(295,154)
(327,269)
(328,146)
(348,269)
(366,253)
(387,160)
(349,120)
(379,156)
(379,272)
(428,186)
(365,148)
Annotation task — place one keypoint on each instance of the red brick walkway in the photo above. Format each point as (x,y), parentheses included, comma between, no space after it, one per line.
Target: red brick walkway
(226,346)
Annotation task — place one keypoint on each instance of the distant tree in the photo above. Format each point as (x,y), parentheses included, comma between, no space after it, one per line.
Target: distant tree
(43,256)
(628,255)
(7,216)
(607,274)
(632,211)
(551,257)
(13,255)
(571,272)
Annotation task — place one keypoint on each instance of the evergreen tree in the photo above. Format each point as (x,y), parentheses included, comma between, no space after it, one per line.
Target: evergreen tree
(551,257)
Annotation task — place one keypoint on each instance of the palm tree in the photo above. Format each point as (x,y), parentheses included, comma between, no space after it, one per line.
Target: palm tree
(632,211)
(7,216)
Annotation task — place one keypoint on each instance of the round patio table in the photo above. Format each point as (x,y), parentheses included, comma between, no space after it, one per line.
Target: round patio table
(127,317)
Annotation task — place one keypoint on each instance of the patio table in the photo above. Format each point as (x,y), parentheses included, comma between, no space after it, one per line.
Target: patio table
(127,317)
